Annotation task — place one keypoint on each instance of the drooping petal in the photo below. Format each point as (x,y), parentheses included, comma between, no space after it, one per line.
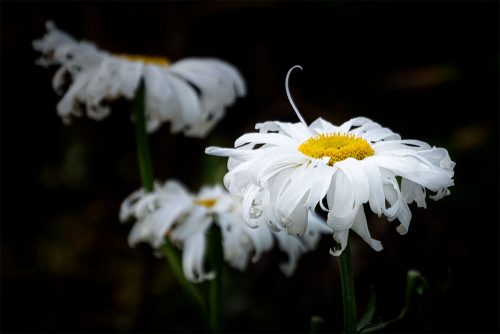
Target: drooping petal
(360,226)
(342,203)
(193,255)
(315,229)
(241,241)
(413,192)
(161,104)
(341,237)
(188,102)
(164,218)
(320,177)
(399,208)
(374,177)
(191,224)
(293,247)
(414,169)
(357,178)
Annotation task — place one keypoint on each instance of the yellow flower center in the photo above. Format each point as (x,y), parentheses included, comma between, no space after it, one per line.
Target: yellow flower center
(151,60)
(337,147)
(207,202)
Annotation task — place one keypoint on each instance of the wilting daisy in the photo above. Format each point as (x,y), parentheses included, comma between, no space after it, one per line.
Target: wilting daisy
(286,169)
(171,214)
(191,94)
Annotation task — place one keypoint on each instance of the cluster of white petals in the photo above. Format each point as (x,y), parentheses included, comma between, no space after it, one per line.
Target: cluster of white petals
(191,94)
(171,214)
(279,184)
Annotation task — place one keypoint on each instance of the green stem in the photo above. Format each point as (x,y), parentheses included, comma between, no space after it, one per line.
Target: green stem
(143,155)
(348,296)
(173,258)
(217,257)
(146,171)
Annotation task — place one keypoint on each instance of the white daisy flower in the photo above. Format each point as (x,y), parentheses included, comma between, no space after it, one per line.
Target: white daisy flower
(191,94)
(287,169)
(171,212)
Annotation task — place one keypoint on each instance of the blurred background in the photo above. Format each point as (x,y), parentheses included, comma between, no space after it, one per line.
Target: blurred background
(427,70)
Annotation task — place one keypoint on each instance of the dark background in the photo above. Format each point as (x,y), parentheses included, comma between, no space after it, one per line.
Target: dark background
(426,70)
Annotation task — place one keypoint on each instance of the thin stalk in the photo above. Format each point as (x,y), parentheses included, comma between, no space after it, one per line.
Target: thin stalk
(173,258)
(146,171)
(348,296)
(143,155)
(216,256)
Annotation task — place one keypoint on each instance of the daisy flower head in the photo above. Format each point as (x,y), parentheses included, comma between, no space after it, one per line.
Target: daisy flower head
(284,170)
(172,214)
(191,94)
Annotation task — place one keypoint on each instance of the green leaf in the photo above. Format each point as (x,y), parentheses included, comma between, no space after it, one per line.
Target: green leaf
(367,318)
(416,284)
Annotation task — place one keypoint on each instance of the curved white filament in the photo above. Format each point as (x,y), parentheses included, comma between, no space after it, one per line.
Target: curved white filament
(290,96)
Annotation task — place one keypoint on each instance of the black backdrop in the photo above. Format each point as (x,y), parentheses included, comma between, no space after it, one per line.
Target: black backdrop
(426,70)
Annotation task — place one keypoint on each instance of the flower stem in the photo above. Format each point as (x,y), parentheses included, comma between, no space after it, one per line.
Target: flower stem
(146,171)
(143,155)
(216,256)
(194,294)
(348,296)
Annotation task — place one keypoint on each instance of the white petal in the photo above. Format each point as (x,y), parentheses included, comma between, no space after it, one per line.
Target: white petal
(342,203)
(161,104)
(141,232)
(399,209)
(187,99)
(193,256)
(297,131)
(296,221)
(293,247)
(358,121)
(320,180)
(191,225)
(322,126)
(128,205)
(376,135)
(266,138)
(274,160)
(374,177)
(231,152)
(360,226)
(316,227)
(266,127)
(412,168)
(357,178)
(413,192)
(164,218)
(341,237)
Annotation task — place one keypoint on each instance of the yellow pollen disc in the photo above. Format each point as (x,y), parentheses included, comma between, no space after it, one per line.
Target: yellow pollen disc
(208,202)
(151,60)
(337,147)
